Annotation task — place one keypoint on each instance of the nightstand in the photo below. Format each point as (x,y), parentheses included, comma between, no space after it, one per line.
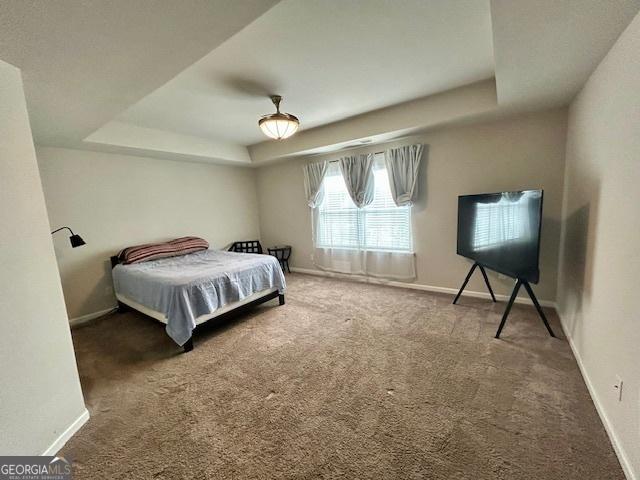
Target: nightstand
(282,253)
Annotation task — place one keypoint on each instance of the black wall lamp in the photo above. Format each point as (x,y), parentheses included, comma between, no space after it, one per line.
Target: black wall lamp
(76,240)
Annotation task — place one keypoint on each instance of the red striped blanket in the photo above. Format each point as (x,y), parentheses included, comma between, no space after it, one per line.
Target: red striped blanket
(154,251)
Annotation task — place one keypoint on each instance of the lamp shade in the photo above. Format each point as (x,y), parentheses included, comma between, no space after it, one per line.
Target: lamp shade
(279,125)
(76,241)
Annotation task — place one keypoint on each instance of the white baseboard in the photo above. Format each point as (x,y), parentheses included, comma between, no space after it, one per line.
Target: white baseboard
(64,437)
(417,286)
(617,446)
(77,321)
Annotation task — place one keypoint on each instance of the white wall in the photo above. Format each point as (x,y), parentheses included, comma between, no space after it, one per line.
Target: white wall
(521,152)
(600,253)
(114,201)
(40,394)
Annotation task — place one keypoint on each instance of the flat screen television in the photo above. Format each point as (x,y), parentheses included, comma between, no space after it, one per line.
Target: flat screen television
(501,231)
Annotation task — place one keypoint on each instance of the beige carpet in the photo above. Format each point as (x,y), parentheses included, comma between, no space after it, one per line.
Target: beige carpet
(348,381)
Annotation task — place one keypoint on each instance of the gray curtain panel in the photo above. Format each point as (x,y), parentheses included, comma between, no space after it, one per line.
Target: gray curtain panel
(402,167)
(357,172)
(313,176)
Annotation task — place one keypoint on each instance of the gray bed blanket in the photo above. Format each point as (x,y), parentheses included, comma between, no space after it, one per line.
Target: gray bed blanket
(186,287)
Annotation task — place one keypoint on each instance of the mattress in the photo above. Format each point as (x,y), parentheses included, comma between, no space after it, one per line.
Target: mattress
(186,289)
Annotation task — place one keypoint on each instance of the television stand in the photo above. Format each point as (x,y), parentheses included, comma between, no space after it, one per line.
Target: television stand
(512,299)
(466,280)
(514,294)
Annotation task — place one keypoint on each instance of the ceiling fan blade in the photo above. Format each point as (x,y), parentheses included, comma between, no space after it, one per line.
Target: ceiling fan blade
(249,88)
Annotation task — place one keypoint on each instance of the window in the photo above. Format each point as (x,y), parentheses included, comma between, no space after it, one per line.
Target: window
(497,223)
(380,226)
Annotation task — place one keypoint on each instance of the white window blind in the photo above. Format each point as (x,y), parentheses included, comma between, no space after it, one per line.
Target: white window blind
(380,226)
(497,223)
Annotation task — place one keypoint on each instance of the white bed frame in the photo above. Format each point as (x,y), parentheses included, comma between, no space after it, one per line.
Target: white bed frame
(202,318)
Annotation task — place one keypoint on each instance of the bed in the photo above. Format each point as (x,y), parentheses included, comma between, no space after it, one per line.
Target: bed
(187,290)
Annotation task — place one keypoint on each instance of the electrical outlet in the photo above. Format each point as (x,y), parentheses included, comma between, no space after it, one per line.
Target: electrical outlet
(618,388)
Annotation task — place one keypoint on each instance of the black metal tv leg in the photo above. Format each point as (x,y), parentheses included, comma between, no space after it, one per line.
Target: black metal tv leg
(538,307)
(464,284)
(512,299)
(188,346)
(486,280)
(281,299)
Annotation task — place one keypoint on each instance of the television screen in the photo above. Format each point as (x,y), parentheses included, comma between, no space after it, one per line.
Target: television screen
(501,231)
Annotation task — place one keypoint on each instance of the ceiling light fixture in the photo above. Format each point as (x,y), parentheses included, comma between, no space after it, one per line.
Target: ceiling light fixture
(279,125)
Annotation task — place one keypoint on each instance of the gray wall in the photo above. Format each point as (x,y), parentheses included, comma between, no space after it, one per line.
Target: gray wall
(600,261)
(116,200)
(40,393)
(521,152)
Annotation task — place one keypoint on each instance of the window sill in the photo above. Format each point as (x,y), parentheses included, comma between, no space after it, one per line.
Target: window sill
(406,252)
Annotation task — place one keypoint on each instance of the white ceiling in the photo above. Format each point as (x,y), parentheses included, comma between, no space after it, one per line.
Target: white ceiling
(330,59)
(85,61)
(189,79)
(545,50)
